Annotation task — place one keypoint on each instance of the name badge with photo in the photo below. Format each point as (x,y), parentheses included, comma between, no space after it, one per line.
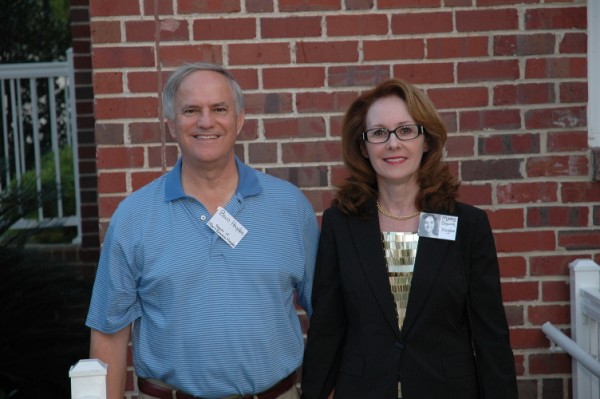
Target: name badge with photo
(438,226)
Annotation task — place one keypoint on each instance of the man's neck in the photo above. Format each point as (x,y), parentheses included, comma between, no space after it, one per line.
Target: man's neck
(213,185)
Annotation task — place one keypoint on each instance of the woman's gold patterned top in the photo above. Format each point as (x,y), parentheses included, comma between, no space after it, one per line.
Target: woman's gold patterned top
(400,252)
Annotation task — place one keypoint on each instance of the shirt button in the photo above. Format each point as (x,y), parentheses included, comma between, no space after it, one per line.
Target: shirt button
(202,217)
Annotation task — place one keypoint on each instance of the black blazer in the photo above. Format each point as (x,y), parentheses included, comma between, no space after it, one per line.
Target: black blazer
(354,343)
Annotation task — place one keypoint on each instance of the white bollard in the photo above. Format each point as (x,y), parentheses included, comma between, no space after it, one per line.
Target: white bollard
(88,379)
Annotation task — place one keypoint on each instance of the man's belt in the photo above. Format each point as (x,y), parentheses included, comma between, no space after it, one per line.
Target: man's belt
(150,388)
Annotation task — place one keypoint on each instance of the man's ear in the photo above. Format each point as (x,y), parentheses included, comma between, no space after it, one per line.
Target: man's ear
(171,126)
(240,122)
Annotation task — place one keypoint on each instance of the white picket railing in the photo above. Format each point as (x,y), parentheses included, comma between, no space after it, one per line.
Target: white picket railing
(38,116)
(88,379)
(585,320)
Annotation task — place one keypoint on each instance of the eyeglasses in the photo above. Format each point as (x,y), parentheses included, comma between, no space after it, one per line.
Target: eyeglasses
(380,135)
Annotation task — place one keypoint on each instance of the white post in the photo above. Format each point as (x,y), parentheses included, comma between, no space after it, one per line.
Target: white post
(585,273)
(88,379)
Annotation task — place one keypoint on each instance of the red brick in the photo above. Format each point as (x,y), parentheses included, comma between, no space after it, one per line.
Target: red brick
(359,4)
(556,265)
(512,266)
(424,22)
(162,156)
(567,141)
(494,169)
(168,30)
(579,239)
(425,72)
(140,179)
(311,176)
(527,338)
(259,53)
(487,3)
(526,241)
(506,219)
(357,75)
(490,120)
(486,71)
(144,82)
(337,101)
(107,206)
(520,291)
(249,131)
(487,20)
(260,6)
(564,117)
(320,199)
(556,291)
(525,93)
(301,127)
(573,43)
(112,182)
(220,29)
(476,194)
(388,49)
(122,107)
(246,77)
(105,32)
(108,134)
(556,18)
(175,55)
(555,68)
(313,5)
(514,315)
(557,166)
(556,216)
(356,25)
(459,97)
(457,47)
(573,92)
(460,146)
(330,51)
(120,157)
(114,8)
(523,193)
(524,45)
(108,82)
(321,151)
(338,175)
(556,314)
(163,7)
(288,27)
(123,57)
(208,6)
(549,363)
(262,152)
(505,144)
(580,192)
(400,4)
(293,77)
(269,103)
(148,133)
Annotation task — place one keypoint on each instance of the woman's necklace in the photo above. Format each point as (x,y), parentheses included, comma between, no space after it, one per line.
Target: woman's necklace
(386,213)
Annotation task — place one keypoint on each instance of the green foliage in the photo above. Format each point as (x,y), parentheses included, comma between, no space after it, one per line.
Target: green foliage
(34,30)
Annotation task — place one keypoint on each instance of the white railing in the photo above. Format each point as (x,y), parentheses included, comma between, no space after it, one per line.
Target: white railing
(38,125)
(585,320)
(88,379)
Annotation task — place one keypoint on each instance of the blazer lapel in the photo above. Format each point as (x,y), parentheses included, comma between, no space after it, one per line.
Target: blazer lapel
(366,235)
(431,253)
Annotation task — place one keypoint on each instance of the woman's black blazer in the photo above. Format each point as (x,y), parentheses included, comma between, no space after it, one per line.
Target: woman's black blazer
(354,343)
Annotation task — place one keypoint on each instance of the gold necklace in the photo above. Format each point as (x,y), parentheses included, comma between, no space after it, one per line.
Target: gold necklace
(386,213)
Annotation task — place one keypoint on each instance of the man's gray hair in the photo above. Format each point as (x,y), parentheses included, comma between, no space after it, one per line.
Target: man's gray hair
(170,90)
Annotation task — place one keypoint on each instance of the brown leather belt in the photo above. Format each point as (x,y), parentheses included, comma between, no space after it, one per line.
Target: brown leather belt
(158,391)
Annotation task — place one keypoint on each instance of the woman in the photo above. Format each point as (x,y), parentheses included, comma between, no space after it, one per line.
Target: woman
(397,315)
(429,226)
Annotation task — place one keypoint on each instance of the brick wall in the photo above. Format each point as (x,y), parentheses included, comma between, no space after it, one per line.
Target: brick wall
(509,77)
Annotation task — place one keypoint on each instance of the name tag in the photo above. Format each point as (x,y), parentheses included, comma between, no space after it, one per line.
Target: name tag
(227,227)
(442,227)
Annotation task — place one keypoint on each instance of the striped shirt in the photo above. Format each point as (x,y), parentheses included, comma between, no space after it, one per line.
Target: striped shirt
(209,319)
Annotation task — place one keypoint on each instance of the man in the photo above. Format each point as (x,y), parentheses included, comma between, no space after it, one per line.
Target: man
(201,265)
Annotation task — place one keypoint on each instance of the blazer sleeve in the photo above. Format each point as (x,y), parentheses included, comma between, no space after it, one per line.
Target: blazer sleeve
(490,334)
(328,322)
